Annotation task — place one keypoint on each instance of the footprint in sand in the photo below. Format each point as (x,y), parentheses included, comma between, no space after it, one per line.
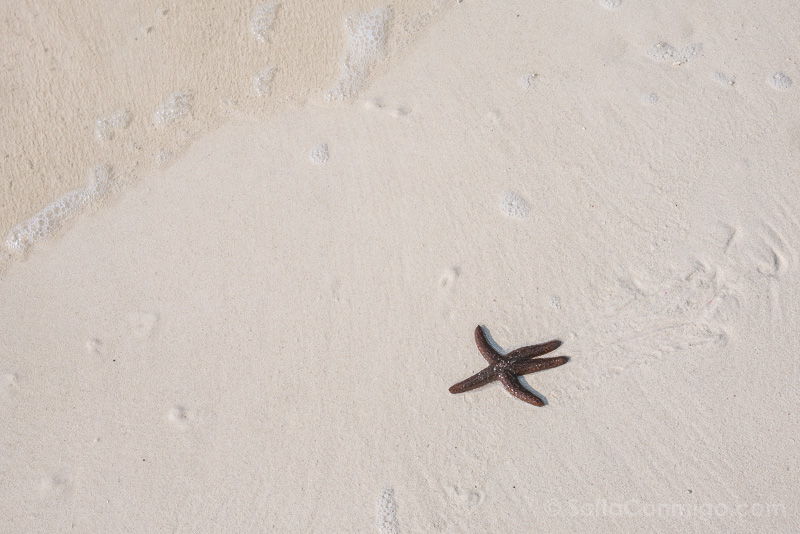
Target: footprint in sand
(448,279)
(54,486)
(761,250)
(95,347)
(8,384)
(181,418)
(143,324)
(466,497)
(9,380)
(399,111)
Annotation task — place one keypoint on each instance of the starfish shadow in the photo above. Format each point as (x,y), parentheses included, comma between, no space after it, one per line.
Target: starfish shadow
(526,385)
(490,339)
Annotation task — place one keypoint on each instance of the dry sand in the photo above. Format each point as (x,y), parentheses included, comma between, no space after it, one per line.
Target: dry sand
(259,337)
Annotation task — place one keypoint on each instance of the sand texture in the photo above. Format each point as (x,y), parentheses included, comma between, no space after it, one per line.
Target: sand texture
(259,334)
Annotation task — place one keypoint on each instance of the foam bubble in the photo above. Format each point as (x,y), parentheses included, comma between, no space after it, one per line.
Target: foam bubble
(661,51)
(366,44)
(722,79)
(47,222)
(513,205)
(262,82)
(688,53)
(164,157)
(649,99)
(386,512)
(176,106)
(262,20)
(666,52)
(319,154)
(611,4)
(779,81)
(105,127)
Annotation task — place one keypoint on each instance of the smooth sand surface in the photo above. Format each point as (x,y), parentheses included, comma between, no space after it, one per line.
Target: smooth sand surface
(260,337)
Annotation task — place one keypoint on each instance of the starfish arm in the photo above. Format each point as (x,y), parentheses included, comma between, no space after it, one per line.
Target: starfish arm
(533,365)
(491,355)
(532,351)
(473,382)
(513,386)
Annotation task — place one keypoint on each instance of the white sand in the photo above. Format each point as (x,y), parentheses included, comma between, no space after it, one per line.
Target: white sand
(257,340)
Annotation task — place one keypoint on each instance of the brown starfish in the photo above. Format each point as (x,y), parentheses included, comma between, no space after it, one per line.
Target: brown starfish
(509,367)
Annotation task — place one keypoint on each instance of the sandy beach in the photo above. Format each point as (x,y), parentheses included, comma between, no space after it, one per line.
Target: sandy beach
(247,247)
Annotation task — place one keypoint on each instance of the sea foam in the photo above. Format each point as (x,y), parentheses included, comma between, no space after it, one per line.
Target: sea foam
(319,154)
(262,82)
(779,81)
(666,52)
(176,106)
(262,20)
(513,205)
(47,221)
(105,127)
(386,509)
(366,44)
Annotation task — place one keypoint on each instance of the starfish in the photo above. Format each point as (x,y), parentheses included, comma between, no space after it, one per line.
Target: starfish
(507,368)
